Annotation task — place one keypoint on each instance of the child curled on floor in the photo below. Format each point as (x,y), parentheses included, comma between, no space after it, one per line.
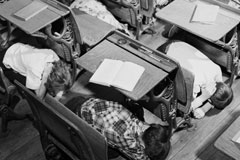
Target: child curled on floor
(208,83)
(42,68)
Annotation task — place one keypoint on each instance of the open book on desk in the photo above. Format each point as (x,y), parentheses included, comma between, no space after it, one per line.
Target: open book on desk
(117,73)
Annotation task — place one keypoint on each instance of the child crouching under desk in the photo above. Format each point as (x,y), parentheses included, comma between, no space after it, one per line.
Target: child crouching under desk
(208,84)
(42,69)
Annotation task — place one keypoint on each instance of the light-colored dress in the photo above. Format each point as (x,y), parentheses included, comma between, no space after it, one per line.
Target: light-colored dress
(29,62)
(205,71)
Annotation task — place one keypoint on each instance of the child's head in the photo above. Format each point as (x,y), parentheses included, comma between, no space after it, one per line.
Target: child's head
(59,79)
(222,96)
(157,142)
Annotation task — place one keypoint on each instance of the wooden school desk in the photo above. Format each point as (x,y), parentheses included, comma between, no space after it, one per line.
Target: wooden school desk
(40,20)
(158,69)
(108,48)
(179,13)
(92,29)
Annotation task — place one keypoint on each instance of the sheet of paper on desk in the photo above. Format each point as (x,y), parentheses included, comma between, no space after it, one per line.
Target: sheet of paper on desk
(205,13)
(236,138)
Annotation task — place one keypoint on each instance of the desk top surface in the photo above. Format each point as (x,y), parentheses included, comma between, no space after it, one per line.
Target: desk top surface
(92,29)
(180,12)
(42,19)
(225,143)
(150,78)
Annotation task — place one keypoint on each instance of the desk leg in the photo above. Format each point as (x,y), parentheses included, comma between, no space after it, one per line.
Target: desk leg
(4,44)
(167,109)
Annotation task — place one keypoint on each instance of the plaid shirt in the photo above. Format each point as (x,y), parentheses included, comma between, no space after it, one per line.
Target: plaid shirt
(117,124)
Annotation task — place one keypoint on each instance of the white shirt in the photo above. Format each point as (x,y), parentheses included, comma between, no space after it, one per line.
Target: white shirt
(96,9)
(29,62)
(205,71)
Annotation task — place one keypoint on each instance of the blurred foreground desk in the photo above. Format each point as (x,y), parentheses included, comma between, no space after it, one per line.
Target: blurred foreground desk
(225,143)
(179,13)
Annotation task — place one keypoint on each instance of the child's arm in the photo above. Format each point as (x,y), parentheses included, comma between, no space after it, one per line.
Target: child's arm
(198,102)
(206,108)
(41,91)
(207,92)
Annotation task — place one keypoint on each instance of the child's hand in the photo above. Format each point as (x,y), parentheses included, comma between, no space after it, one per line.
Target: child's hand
(198,113)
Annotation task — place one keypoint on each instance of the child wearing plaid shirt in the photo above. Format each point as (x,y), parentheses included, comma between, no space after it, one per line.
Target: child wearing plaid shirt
(122,129)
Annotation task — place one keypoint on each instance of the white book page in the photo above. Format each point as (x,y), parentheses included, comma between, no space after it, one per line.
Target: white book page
(205,13)
(106,72)
(128,76)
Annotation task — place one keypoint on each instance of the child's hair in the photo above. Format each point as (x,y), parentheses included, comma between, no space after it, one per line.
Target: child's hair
(157,141)
(223,96)
(60,78)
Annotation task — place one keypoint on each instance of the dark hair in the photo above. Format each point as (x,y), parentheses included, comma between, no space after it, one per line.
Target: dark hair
(157,141)
(223,96)
(60,78)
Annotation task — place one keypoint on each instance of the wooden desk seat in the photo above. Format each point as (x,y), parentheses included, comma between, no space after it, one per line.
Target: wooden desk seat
(60,127)
(93,30)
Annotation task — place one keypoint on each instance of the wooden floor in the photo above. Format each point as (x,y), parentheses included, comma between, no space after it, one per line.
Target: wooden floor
(23,141)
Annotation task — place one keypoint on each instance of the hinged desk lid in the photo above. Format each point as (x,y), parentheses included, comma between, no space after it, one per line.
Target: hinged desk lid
(54,11)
